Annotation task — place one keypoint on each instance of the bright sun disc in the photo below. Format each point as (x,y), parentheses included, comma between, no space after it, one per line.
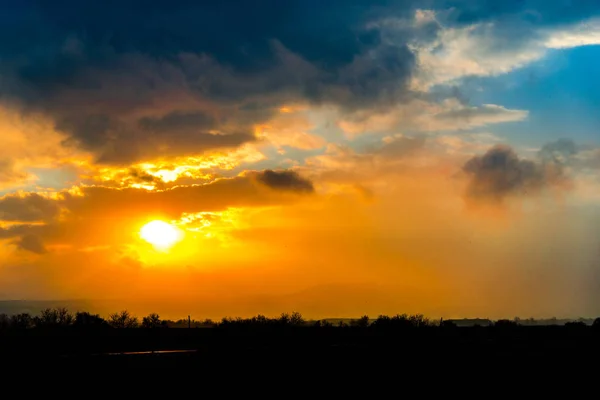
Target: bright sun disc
(160,234)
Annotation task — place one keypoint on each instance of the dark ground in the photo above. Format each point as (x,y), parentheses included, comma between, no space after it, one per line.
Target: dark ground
(416,359)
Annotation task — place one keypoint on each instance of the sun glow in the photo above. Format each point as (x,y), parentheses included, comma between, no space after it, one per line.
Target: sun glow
(160,234)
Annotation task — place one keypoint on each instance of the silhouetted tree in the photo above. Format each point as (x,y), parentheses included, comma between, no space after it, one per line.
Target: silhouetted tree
(596,323)
(296,319)
(419,321)
(85,319)
(153,321)
(122,320)
(260,320)
(323,323)
(362,322)
(284,319)
(21,321)
(54,318)
(4,322)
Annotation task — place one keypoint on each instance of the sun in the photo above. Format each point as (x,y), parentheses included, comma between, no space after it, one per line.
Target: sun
(160,234)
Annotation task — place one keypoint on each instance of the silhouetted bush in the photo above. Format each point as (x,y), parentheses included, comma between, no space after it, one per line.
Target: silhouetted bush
(153,321)
(323,323)
(21,321)
(362,322)
(401,321)
(4,322)
(505,323)
(87,320)
(123,320)
(260,321)
(296,319)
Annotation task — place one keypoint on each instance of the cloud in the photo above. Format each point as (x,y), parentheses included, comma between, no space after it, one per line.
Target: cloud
(500,173)
(285,180)
(31,243)
(561,151)
(28,207)
(489,45)
(10,174)
(471,117)
(27,142)
(291,127)
(248,190)
(179,121)
(199,86)
(79,209)
(397,147)
(582,34)
(425,116)
(589,158)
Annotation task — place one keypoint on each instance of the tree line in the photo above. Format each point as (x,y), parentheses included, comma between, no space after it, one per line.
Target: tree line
(61,317)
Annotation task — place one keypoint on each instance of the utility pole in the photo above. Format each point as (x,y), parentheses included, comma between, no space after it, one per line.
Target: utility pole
(189,322)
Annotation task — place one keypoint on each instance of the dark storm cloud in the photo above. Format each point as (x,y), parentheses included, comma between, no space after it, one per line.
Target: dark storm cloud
(93,65)
(178,121)
(285,180)
(500,172)
(134,80)
(541,12)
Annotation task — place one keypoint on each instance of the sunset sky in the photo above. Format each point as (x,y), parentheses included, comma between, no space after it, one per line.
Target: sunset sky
(336,158)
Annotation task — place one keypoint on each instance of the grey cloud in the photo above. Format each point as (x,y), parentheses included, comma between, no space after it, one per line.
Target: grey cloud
(142,176)
(560,151)
(285,180)
(91,129)
(500,173)
(32,243)
(178,121)
(139,147)
(114,97)
(570,155)
(28,208)
(19,230)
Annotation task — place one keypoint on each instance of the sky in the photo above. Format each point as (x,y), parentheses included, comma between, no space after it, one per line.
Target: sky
(329,157)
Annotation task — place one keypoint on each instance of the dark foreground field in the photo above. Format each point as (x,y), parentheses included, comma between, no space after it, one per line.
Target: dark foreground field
(340,356)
